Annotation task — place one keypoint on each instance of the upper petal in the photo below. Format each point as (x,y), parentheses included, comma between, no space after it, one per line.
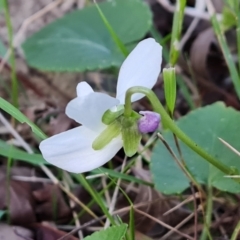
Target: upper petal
(72,150)
(83,89)
(89,110)
(141,68)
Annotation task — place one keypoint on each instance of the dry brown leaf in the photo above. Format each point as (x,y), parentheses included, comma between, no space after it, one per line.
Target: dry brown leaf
(199,52)
(31,201)
(60,124)
(15,233)
(158,204)
(34,112)
(142,195)
(21,204)
(218,5)
(140,236)
(43,232)
(51,204)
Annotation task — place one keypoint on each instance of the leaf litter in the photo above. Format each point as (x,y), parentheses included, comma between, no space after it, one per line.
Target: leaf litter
(37,207)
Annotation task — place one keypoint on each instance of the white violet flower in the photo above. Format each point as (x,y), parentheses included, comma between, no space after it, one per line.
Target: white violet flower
(73,150)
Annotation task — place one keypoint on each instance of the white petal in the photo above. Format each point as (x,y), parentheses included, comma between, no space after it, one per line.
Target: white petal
(89,110)
(72,150)
(141,68)
(83,89)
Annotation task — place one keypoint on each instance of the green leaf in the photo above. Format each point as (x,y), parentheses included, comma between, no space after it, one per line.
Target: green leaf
(1,5)
(10,151)
(111,233)
(204,126)
(228,18)
(14,112)
(80,41)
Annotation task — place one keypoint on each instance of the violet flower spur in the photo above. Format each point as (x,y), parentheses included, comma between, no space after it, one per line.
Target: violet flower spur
(73,150)
(149,122)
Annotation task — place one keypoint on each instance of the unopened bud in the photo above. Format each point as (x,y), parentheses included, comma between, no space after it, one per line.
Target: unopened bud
(149,122)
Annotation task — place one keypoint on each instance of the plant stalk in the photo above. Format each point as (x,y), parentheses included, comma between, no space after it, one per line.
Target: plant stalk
(157,106)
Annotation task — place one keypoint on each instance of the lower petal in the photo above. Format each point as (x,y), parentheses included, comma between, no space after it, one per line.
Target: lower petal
(72,150)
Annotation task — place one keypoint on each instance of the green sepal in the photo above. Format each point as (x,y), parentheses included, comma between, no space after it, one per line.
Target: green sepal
(130,135)
(109,116)
(106,136)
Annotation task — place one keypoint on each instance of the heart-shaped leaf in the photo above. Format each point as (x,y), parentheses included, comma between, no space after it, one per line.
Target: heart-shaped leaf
(80,41)
(204,126)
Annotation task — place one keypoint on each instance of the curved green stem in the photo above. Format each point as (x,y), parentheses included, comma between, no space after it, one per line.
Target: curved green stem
(157,106)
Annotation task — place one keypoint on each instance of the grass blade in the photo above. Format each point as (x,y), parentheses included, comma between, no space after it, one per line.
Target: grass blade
(176,31)
(114,36)
(14,112)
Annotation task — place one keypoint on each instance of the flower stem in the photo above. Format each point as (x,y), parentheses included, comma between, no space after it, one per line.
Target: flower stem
(157,106)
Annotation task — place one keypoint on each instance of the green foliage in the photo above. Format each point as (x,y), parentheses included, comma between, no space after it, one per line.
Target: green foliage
(14,112)
(10,151)
(228,19)
(204,126)
(114,36)
(80,41)
(176,31)
(1,5)
(227,53)
(111,233)
(95,195)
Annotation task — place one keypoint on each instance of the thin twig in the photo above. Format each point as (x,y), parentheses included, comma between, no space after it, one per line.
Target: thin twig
(122,210)
(164,224)
(115,194)
(31,179)
(180,164)
(200,7)
(230,147)
(221,228)
(189,199)
(72,204)
(168,234)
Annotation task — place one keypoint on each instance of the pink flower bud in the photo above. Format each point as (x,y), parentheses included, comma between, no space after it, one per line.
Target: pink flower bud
(149,122)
